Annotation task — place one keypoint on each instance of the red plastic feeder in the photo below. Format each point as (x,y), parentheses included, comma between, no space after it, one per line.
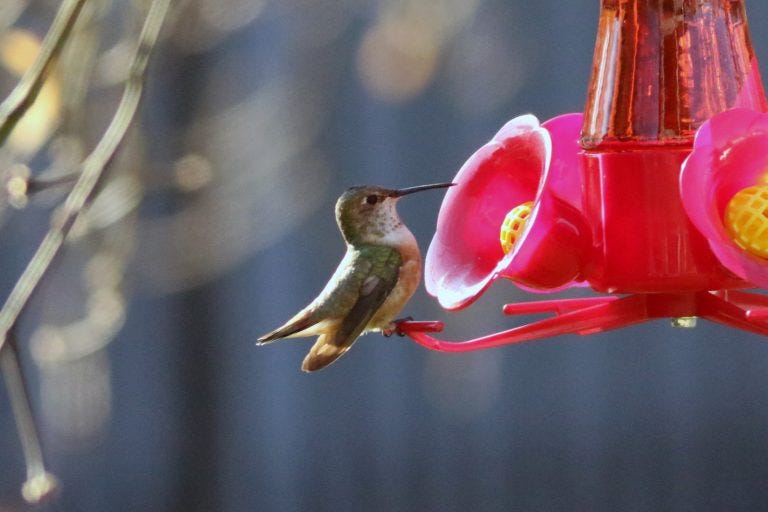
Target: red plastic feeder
(656,197)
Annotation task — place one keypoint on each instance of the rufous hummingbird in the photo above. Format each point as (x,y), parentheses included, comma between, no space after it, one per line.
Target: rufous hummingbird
(377,276)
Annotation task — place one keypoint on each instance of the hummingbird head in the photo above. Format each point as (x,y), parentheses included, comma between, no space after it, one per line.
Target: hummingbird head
(368,213)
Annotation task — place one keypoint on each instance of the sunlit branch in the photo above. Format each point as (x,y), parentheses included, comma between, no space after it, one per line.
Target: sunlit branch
(40,484)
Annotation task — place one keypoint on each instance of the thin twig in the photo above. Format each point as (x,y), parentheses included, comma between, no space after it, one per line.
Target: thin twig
(24,94)
(38,184)
(91,171)
(40,484)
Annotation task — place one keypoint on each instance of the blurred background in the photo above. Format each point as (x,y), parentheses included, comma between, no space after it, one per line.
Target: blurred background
(215,224)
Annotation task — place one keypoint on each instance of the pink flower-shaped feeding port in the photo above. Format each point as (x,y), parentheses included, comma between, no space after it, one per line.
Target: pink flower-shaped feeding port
(724,189)
(529,171)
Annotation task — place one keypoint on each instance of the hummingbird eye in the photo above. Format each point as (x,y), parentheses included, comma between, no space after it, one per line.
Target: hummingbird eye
(372,199)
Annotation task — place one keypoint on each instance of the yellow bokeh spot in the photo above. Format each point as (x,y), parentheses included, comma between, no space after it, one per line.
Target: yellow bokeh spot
(513,225)
(18,50)
(397,59)
(746,219)
(192,172)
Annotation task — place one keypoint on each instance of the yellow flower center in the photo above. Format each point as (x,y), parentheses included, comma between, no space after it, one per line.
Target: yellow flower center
(746,219)
(513,225)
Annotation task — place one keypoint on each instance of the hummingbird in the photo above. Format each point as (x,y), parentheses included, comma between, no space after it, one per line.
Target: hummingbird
(379,273)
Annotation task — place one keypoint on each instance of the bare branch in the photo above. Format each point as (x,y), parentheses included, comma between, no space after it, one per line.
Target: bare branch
(91,171)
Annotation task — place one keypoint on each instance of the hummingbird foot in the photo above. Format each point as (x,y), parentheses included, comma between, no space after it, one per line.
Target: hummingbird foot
(394,327)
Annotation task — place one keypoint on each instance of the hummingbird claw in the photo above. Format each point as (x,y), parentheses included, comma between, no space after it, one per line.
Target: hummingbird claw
(400,321)
(394,327)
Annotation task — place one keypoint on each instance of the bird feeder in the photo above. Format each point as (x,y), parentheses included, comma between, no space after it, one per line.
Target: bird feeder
(656,197)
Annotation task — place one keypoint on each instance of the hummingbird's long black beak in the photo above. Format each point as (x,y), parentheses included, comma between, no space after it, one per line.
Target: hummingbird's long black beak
(410,190)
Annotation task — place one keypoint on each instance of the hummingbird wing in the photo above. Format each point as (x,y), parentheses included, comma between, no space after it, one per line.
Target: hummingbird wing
(331,304)
(380,279)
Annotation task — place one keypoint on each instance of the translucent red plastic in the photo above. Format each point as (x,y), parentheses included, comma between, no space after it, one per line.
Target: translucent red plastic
(645,242)
(662,68)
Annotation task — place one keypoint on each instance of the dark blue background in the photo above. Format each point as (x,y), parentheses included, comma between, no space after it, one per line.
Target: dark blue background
(646,418)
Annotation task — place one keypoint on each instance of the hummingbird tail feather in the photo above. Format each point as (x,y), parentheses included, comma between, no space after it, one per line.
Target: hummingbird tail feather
(322,354)
(293,326)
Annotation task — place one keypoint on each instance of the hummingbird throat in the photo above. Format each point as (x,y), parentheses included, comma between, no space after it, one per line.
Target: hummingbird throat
(385,227)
